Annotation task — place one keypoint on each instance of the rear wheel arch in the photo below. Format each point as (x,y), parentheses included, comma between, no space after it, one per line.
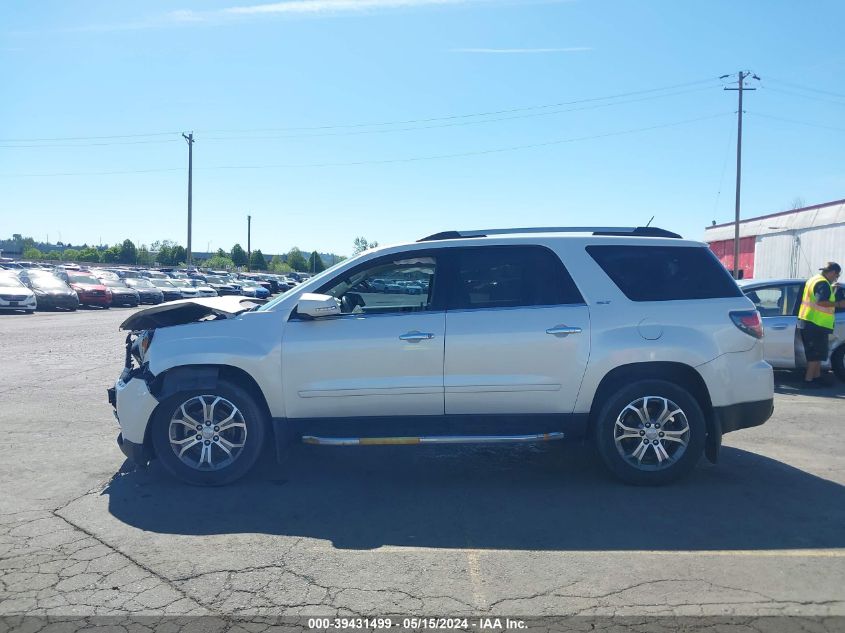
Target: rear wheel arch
(677,373)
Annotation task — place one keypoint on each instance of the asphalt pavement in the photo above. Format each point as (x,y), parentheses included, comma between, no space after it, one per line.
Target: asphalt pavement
(525,531)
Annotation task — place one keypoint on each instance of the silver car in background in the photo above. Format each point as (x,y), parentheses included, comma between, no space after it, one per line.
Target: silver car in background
(778,301)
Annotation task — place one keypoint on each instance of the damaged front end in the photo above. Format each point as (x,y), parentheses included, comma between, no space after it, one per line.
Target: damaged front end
(134,394)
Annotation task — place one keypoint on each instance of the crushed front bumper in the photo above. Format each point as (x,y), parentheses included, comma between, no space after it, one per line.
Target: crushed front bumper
(134,406)
(137,453)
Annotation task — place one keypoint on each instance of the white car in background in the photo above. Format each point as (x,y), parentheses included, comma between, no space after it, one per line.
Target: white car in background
(14,295)
(188,291)
(778,301)
(202,287)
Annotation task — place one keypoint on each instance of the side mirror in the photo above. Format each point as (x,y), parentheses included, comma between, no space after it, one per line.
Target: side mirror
(316,306)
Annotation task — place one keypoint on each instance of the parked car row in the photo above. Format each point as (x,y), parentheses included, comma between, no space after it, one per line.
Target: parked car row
(27,286)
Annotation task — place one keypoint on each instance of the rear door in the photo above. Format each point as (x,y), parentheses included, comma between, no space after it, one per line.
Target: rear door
(517,332)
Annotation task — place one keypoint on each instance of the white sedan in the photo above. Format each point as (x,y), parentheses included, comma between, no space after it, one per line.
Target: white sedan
(14,295)
(778,301)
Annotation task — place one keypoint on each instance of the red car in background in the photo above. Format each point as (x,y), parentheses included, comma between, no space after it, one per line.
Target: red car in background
(90,290)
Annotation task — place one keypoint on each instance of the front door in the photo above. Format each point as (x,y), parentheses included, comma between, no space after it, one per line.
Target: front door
(382,356)
(777,306)
(518,333)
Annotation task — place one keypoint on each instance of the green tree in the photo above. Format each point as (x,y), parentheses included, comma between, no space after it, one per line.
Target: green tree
(361,245)
(296,260)
(239,255)
(257,261)
(315,263)
(88,255)
(222,253)
(128,253)
(220,262)
(144,256)
(111,255)
(279,266)
(70,255)
(32,253)
(179,255)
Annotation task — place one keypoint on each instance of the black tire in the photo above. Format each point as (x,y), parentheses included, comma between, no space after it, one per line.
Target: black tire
(29,311)
(649,474)
(837,362)
(254,419)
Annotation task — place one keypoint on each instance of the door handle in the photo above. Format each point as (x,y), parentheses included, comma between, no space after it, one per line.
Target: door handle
(564,330)
(779,327)
(416,336)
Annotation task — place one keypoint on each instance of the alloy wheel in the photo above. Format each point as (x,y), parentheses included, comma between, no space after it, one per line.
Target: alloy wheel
(651,433)
(207,432)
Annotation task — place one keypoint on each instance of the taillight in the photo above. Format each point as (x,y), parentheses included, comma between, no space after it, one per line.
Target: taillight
(748,321)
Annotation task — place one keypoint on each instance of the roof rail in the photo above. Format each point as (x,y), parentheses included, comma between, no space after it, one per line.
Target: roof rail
(630,231)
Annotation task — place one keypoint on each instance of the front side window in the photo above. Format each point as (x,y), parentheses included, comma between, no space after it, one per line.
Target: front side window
(403,284)
(770,301)
(511,277)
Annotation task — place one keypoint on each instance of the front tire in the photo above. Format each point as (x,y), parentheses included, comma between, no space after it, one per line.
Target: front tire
(209,437)
(650,432)
(837,362)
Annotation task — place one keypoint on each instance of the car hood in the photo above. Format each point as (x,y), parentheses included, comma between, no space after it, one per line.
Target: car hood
(187,311)
(87,287)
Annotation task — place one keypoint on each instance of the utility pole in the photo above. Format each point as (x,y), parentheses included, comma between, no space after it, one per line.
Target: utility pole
(190,139)
(741,77)
(248,242)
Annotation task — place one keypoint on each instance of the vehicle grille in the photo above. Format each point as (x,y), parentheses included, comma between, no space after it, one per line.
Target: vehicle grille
(13,297)
(97,293)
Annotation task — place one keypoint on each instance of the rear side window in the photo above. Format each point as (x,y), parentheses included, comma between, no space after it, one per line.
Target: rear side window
(665,273)
(510,277)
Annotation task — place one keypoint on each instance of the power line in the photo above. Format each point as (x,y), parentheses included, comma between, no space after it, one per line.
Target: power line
(807,88)
(802,96)
(96,173)
(395,160)
(454,123)
(170,140)
(785,120)
(84,138)
(469,115)
(375,124)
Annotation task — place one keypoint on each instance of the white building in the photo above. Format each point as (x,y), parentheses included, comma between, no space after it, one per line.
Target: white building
(792,243)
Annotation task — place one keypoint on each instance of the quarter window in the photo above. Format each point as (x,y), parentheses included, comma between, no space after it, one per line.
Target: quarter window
(509,277)
(665,273)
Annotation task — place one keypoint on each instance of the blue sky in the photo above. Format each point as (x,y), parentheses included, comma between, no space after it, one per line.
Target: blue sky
(307,114)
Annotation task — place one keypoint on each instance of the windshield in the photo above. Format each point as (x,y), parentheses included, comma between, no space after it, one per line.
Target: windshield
(8,280)
(180,283)
(327,272)
(46,281)
(83,279)
(216,280)
(112,283)
(139,283)
(161,283)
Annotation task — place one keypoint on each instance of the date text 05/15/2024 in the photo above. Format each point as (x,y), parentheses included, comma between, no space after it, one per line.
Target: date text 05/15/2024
(491,624)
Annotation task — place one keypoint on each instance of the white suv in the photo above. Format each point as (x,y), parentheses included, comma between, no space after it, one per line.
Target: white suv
(634,338)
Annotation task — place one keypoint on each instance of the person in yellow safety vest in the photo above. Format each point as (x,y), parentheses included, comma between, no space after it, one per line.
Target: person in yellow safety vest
(816,319)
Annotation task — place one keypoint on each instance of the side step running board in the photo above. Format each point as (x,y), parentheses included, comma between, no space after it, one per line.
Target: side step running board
(433,439)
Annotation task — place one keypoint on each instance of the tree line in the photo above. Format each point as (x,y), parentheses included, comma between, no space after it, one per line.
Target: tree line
(169,253)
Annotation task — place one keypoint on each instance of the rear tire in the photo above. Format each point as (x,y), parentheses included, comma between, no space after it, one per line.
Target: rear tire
(837,362)
(650,432)
(227,448)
